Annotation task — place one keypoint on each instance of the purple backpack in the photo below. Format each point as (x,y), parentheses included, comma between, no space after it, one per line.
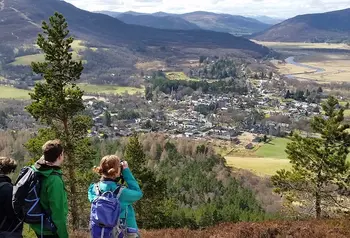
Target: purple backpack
(105,214)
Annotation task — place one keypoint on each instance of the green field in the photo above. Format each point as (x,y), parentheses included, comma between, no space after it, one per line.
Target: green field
(273,149)
(14,93)
(110,89)
(266,160)
(77,46)
(28,59)
(179,76)
(259,166)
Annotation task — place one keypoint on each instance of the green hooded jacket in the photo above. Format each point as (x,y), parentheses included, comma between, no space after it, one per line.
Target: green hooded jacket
(53,197)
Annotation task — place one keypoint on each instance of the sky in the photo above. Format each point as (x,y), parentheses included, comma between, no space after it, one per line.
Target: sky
(274,8)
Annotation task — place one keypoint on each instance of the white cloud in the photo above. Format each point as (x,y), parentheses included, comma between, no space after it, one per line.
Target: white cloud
(277,8)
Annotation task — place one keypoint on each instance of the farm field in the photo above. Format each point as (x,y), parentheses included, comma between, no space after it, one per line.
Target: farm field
(259,166)
(265,160)
(179,76)
(28,59)
(9,92)
(274,149)
(109,89)
(15,93)
(77,46)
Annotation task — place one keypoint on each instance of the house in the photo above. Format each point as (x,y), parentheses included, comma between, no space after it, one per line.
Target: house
(249,146)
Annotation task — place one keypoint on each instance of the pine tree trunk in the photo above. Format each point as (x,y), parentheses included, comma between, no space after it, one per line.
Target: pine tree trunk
(318,196)
(318,205)
(72,182)
(73,195)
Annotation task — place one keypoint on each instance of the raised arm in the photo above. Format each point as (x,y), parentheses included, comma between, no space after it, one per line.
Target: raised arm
(132,192)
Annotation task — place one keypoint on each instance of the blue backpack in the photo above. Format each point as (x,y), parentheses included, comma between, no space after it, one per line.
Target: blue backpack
(105,214)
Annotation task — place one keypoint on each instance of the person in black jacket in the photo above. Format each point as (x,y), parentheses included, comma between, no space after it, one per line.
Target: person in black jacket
(10,225)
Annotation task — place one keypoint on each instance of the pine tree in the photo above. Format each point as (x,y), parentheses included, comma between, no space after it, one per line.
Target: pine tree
(107,119)
(148,93)
(57,103)
(149,209)
(319,163)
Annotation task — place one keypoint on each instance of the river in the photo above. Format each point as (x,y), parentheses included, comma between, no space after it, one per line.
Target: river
(291,60)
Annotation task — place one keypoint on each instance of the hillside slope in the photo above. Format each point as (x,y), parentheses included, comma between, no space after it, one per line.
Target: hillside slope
(20,22)
(237,25)
(268,20)
(161,22)
(282,229)
(322,27)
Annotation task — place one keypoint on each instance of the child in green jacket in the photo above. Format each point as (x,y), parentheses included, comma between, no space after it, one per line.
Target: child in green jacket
(110,169)
(53,196)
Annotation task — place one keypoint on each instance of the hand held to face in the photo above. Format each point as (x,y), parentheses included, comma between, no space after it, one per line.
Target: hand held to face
(124,164)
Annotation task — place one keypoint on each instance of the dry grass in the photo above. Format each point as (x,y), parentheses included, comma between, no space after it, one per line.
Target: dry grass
(151,65)
(273,229)
(293,69)
(336,68)
(300,45)
(281,229)
(335,71)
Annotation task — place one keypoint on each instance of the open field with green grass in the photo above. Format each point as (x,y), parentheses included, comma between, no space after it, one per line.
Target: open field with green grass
(266,160)
(259,166)
(77,46)
(28,59)
(14,93)
(179,76)
(273,149)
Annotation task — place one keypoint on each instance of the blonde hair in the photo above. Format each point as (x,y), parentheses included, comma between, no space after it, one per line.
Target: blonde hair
(7,165)
(109,166)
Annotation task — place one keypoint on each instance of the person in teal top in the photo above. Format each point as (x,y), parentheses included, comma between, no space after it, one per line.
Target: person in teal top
(110,169)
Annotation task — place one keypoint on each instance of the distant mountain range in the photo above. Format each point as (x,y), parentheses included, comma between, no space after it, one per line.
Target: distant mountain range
(20,22)
(161,22)
(322,27)
(236,25)
(268,20)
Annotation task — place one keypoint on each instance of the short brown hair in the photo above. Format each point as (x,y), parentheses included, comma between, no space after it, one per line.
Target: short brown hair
(52,149)
(7,165)
(109,166)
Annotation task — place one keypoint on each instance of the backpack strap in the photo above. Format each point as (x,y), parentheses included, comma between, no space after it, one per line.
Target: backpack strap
(118,191)
(97,189)
(3,222)
(2,184)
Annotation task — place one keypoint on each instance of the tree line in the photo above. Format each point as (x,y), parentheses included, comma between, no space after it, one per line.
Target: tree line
(161,83)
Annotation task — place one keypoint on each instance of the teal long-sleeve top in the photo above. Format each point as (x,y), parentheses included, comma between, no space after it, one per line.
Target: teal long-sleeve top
(129,195)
